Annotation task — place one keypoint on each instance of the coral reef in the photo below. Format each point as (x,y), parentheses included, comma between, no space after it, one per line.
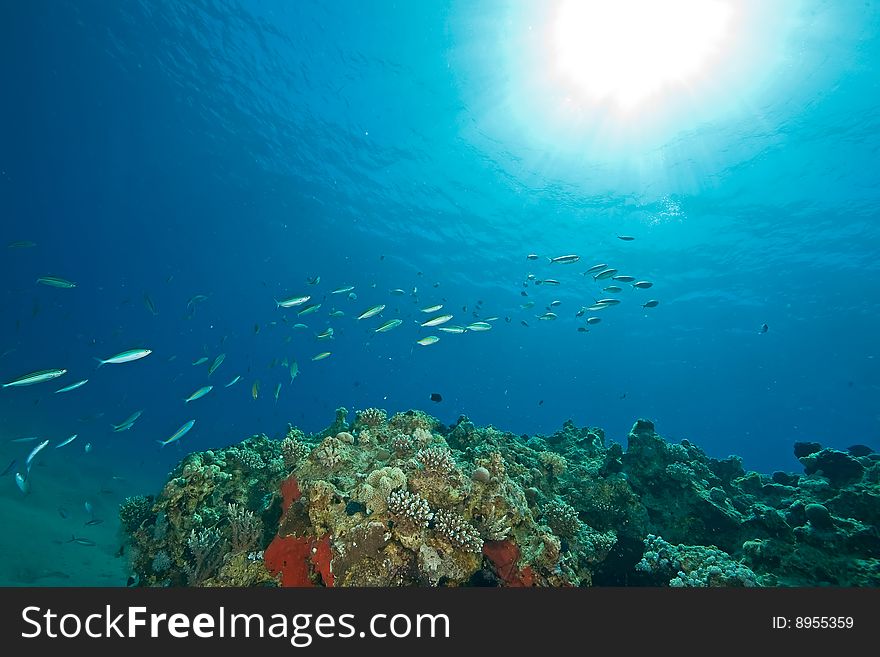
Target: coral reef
(404,500)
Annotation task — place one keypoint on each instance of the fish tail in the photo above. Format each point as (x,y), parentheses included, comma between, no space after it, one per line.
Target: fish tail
(161,443)
(100,362)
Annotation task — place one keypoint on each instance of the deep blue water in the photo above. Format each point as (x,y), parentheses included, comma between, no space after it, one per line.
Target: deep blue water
(235,149)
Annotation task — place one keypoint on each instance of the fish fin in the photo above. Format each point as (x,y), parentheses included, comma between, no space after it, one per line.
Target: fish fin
(162,444)
(100,362)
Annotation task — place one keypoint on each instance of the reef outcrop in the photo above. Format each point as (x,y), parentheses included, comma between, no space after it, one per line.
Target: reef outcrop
(404,500)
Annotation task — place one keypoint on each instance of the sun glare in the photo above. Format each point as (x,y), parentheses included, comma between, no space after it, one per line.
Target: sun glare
(626,51)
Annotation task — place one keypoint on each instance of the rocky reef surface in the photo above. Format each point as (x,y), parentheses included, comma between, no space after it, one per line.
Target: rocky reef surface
(407,501)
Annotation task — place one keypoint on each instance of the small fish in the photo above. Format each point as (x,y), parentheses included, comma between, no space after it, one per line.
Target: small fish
(337,313)
(292,301)
(643,285)
(82,541)
(256,331)
(436,321)
(277,392)
(199,361)
(555,303)
(217,362)
(432,309)
(314,280)
(150,304)
(612,288)
(125,426)
(581,312)
(593,320)
(764,328)
(321,356)
(198,394)
(33,454)
(532,256)
(599,306)
(29,439)
(436,397)
(125,356)
(87,448)
(491,319)
(608,302)
(595,268)
(300,326)
(479,326)
(523,293)
(387,326)
(343,290)
(565,259)
(21,244)
(524,323)
(453,329)
(255,389)
(325,334)
(527,305)
(583,329)
(8,468)
(54,281)
(352,296)
(652,304)
(428,340)
(308,310)
(233,382)
(294,370)
(73,386)
(606,273)
(625,238)
(35,377)
(371,312)
(66,442)
(177,434)
(62,512)
(547,316)
(624,279)
(196,298)
(550,281)
(93,521)
(397,292)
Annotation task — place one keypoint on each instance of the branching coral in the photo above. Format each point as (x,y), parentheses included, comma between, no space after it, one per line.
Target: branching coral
(562,518)
(436,460)
(371,417)
(244,527)
(206,548)
(293,451)
(457,531)
(409,509)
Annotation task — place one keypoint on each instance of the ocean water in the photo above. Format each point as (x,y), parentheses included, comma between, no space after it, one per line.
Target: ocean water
(237,150)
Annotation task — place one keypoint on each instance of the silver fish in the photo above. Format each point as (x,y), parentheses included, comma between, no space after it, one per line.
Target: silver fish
(35,377)
(198,394)
(565,259)
(33,454)
(66,442)
(73,386)
(216,363)
(125,356)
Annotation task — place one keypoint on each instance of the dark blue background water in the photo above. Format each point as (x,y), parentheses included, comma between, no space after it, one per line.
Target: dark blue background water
(235,149)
